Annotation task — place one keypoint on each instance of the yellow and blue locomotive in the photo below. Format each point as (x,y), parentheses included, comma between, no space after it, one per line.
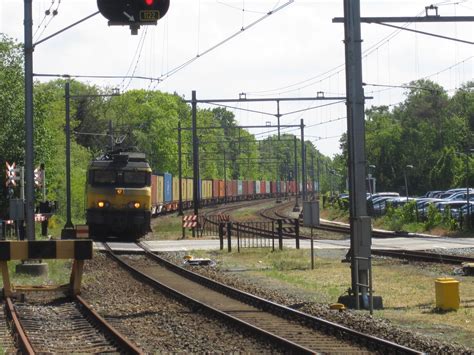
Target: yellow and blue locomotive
(119,195)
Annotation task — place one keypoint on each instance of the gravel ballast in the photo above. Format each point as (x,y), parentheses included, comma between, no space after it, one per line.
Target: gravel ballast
(155,322)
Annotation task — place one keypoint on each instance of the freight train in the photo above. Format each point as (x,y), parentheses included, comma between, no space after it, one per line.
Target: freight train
(123,193)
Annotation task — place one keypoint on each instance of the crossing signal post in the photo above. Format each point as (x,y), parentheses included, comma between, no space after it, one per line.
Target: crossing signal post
(133,13)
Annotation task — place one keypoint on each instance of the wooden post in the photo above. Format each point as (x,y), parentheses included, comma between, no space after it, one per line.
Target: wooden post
(7,290)
(76,276)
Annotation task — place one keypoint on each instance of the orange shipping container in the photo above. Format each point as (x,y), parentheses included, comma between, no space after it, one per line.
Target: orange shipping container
(215,188)
(221,189)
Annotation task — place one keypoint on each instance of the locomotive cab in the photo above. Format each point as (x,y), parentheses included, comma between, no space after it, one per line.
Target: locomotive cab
(119,195)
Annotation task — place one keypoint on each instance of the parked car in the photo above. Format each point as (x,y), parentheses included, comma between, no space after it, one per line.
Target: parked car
(431,194)
(454,206)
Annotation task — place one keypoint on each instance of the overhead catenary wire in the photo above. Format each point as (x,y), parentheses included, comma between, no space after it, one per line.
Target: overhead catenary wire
(224,41)
(48,13)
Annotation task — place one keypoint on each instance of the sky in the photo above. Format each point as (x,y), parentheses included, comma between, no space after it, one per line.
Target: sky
(295,52)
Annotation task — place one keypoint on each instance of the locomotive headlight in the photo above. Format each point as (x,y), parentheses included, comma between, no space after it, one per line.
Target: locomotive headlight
(119,191)
(102,204)
(134,204)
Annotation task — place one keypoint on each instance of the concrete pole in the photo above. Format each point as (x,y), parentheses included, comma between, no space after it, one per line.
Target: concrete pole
(361,229)
(180,172)
(29,126)
(296,208)
(195,155)
(68,229)
(303,163)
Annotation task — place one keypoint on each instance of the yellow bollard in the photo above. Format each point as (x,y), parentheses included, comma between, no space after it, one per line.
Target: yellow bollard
(447,293)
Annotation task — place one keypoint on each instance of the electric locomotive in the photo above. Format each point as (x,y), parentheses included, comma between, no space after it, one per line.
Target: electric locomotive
(119,195)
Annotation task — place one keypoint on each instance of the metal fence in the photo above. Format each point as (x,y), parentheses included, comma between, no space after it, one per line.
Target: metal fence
(255,234)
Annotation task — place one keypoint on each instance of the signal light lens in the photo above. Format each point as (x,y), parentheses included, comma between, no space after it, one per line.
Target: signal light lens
(149,2)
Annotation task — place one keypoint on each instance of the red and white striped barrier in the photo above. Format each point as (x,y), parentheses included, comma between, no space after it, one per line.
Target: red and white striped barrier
(82,231)
(40,217)
(190,221)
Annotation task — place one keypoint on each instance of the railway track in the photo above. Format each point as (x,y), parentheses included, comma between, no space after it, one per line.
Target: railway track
(63,325)
(288,329)
(276,213)
(416,255)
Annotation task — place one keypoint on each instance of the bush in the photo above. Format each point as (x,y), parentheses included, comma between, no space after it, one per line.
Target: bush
(433,218)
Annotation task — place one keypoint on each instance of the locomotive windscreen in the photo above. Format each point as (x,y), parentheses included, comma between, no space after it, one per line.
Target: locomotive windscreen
(123,178)
(135,178)
(104,177)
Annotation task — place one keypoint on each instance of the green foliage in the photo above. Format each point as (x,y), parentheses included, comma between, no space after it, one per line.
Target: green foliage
(434,217)
(428,130)
(397,218)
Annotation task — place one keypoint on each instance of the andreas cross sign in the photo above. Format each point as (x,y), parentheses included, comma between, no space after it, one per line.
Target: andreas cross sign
(11,174)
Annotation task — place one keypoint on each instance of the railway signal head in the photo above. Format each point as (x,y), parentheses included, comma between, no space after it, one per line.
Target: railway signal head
(133,13)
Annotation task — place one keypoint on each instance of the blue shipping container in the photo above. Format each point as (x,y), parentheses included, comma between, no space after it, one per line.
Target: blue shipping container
(239,187)
(168,183)
(199,188)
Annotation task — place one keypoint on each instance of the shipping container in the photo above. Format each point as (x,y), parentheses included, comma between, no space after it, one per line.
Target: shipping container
(263,187)
(221,189)
(154,187)
(240,189)
(189,189)
(215,189)
(278,187)
(245,188)
(206,189)
(273,187)
(167,188)
(291,187)
(228,188)
(257,187)
(233,189)
(199,189)
(251,187)
(159,190)
(175,189)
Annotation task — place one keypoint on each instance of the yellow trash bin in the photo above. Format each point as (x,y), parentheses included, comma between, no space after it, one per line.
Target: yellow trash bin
(447,293)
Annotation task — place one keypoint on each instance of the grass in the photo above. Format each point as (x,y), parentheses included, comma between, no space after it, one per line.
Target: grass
(407,290)
(167,227)
(58,273)
(243,214)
